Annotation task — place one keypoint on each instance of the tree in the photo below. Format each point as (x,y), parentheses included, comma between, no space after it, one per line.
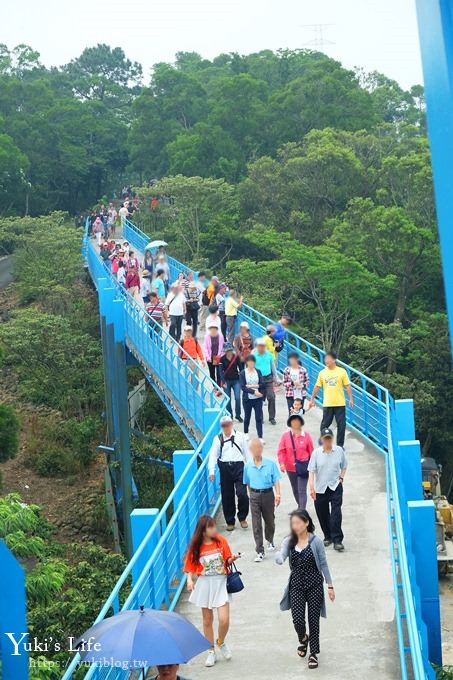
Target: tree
(105,74)
(9,432)
(202,214)
(13,169)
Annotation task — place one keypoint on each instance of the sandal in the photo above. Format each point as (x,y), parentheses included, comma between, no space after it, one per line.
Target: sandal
(302,649)
(312,661)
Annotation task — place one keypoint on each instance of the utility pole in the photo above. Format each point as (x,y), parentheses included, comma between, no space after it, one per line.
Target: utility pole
(318,42)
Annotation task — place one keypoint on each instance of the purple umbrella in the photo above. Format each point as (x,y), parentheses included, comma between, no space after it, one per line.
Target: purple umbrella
(140,639)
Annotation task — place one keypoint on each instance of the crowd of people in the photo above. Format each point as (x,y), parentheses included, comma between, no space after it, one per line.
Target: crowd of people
(201,314)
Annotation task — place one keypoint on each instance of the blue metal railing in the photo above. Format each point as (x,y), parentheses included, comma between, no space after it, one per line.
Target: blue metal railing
(161,581)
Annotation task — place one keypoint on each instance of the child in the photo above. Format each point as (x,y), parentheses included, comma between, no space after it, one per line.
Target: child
(297,408)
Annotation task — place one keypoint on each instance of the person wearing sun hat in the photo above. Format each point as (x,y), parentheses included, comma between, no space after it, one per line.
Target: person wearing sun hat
(294,452)
(327,470)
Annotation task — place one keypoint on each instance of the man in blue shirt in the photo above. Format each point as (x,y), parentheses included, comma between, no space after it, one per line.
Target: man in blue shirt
(262,477)
(280,332)
(264,362)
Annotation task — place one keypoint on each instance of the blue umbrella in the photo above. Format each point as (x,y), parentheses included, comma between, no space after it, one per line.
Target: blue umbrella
(140,639)
(155,244)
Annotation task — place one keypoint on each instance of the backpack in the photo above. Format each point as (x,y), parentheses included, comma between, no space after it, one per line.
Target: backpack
(279,346)
(233,443)
(205,298)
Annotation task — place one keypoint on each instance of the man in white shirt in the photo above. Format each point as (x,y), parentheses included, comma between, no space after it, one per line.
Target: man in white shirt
(145,286)
(123,213)
(229,451)
(176,306)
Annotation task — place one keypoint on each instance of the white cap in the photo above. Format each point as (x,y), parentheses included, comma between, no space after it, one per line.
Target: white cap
(261,341)
(225,420)
(188,327)
(244,324)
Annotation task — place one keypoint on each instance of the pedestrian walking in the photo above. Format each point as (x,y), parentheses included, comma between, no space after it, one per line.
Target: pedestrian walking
(213,319)
(297,407)
(266,364)
(145,286)
(270,343)
(204,301)
(123,213)
(159,284)
(232,305)
(148,262)
(229,451)
(334,380)
(230,369)
(191,348)
(133,282)
(208,558)
(252,386)
(213,351)
(192,295)
(327,470)
(304,594)
(281,331)
(220,302)
(294,451)
(262,477)
(157,314)
(295,380)
(243,342)
(176,305)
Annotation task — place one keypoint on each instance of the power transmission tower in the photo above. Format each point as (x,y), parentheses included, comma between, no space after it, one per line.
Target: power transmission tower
(318,41)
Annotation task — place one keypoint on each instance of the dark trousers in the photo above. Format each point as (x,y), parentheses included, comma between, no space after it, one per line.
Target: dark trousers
(214,372)
(231,475)
(262,507)
(269,395)
(256,405)
(299,488)
(233,386)
(328,509)
(192,319)
(223,324)
(339,413)
(175,327)
(310,598)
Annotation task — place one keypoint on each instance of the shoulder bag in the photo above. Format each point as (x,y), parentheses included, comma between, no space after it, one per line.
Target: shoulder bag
(234,581)
(301,465)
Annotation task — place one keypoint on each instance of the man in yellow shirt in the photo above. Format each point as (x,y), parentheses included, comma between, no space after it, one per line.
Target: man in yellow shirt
(270,344)
(334,380)
(232,304)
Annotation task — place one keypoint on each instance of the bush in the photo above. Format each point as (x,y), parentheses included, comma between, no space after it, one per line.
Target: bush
(9,432)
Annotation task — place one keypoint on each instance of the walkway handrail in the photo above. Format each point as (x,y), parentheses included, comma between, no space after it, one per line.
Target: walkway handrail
(161,580)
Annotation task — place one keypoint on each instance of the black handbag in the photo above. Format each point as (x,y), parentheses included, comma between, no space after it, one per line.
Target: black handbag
(234,581)
(301,465)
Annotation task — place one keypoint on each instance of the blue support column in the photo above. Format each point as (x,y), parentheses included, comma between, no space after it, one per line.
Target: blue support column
(404,411)
(141,522)
(181,461)
(423,539)
(14,662)
(409,464)
(435,25)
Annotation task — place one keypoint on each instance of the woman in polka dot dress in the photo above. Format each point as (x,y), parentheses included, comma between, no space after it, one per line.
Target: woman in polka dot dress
(305,589)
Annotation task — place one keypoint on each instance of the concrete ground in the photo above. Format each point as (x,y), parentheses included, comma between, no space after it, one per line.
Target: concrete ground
(358,638)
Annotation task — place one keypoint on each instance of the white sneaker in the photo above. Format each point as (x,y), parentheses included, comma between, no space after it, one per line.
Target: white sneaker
(210,659)
(262,441)
(246,437)
(271,547)
(259,557)
(226,651)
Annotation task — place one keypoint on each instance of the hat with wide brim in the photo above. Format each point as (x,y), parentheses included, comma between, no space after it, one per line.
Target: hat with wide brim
(295,416)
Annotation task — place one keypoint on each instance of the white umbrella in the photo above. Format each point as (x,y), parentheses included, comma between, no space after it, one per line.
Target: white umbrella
(155,244)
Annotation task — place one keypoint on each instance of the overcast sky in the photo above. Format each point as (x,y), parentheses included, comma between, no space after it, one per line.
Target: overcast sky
(374,34)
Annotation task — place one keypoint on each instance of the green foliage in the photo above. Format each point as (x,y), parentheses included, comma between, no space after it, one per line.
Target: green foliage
(9,432)
(444,673)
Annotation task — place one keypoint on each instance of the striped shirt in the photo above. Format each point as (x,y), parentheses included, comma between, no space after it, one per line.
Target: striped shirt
(155,311)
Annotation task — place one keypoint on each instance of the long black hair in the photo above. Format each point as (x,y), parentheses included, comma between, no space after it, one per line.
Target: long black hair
(305,517)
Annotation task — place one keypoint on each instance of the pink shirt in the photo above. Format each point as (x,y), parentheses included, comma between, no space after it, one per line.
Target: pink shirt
(303,444)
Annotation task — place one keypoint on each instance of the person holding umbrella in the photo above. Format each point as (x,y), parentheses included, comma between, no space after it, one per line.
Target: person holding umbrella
(208,558)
